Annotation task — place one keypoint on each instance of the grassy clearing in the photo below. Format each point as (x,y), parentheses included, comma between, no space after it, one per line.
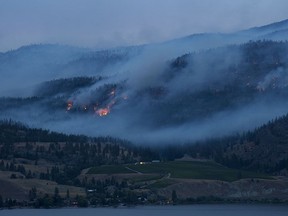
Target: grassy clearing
(44,186)
(196,170)
(19,188)
(145,177)
(182,169)
(163,183)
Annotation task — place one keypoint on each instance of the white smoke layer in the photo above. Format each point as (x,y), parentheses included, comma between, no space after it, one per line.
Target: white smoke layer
(138,80)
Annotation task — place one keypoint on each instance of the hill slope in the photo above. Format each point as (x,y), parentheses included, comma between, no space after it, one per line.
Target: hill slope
(192,97)
(185,89)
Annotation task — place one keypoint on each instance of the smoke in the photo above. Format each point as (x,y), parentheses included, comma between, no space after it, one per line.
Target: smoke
(207,69)
(22,69)
(126,124)
(150,96)
(275,79)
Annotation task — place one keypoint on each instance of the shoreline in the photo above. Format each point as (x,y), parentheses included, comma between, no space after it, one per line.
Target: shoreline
(128,206)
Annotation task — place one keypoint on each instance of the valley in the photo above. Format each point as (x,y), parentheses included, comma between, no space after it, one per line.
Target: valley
(199,119)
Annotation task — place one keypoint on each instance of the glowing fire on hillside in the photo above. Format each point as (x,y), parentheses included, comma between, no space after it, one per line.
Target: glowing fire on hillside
(69,105)
(103,111)
(96,108)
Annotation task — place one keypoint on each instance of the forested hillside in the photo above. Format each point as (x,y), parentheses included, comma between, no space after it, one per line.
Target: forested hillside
(68,154)
(264,149)
(137,124)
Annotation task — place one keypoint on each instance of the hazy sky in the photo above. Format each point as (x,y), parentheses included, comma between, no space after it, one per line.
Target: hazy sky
(106,23)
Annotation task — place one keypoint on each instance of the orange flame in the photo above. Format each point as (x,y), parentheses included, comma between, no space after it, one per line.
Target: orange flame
(69,105)
(103,111)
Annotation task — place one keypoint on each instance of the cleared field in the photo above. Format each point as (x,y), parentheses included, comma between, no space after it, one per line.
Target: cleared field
(109,169)
(181,169)
(48,187)
(19,188)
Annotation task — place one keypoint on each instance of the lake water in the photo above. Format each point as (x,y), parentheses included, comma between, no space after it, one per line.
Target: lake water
(193,210)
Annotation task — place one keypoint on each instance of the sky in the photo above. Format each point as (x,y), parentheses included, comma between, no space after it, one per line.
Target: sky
(109,23)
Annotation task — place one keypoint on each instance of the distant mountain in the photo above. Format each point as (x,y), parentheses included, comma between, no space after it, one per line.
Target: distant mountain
(270,28)
(25,67)
(35,56)
(190,88)
(193,96)
(216,97)
(275,31)
(58,61)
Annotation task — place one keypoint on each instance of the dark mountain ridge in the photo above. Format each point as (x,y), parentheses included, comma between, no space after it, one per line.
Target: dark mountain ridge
(273,27)
(264,149)
(148,88)
(219,99)
(193,88)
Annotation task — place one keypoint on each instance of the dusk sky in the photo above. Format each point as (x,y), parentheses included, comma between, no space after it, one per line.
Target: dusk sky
(107,23)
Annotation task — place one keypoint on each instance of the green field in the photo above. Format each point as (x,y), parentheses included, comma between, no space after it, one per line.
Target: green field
(181,169)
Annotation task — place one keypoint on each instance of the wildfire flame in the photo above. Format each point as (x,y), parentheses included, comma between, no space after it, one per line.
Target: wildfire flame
(103,111)
(69,105)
